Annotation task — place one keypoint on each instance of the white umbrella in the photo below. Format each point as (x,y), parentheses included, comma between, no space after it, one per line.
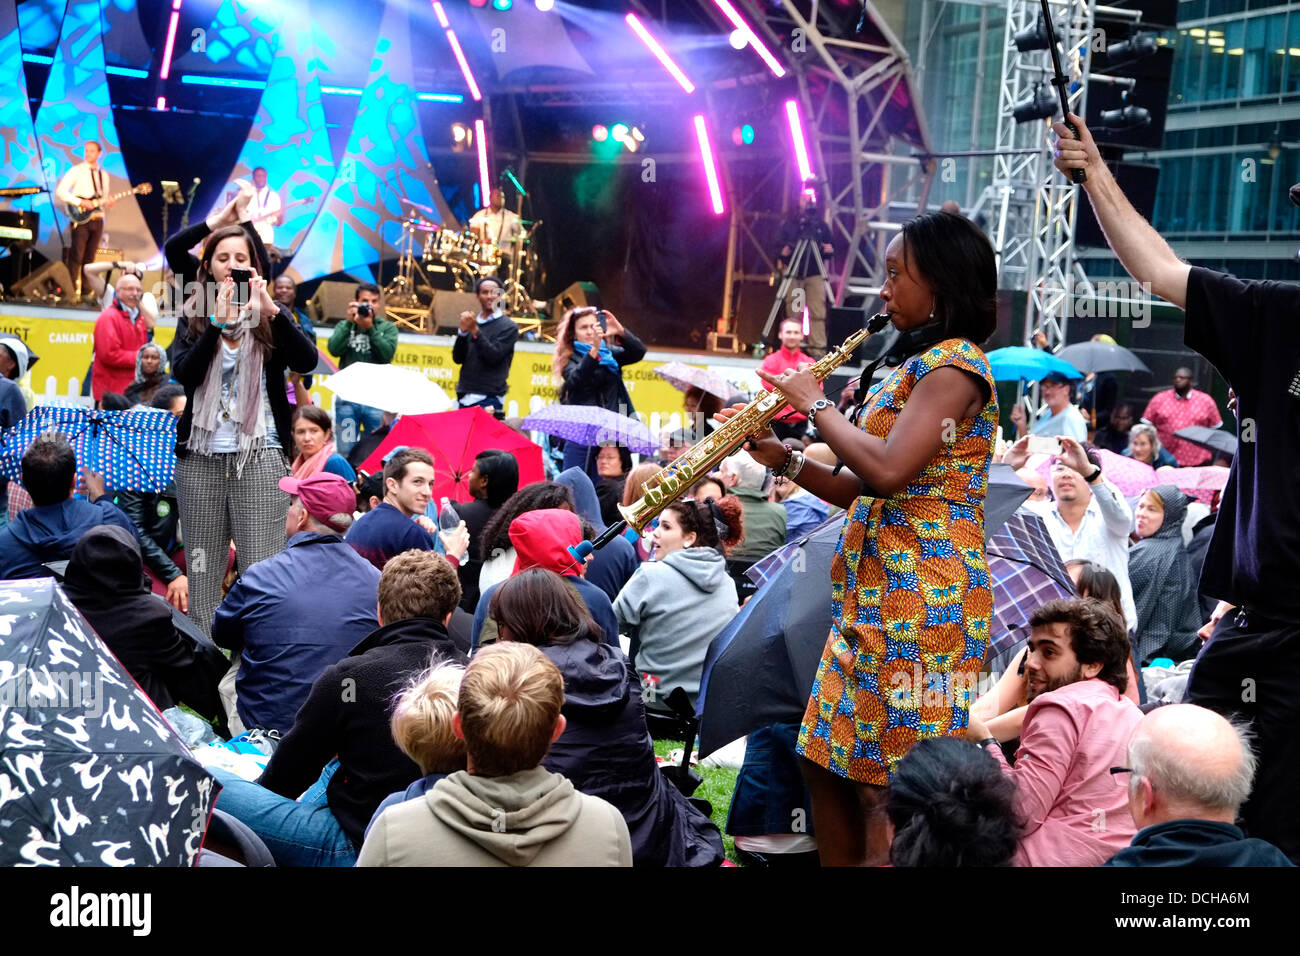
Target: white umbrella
(392,388)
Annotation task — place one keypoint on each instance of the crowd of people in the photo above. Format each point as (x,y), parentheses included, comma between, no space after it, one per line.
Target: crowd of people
(468,692)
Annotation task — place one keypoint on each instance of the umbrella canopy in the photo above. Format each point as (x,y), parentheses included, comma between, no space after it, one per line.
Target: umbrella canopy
(592,425)
(1015,362)
(1215,439)
(760,668)
(1199,483)
(392,388)
(1027,571)
(682,377)
(134,450)
(453,439)
(1101,357)
(90,772)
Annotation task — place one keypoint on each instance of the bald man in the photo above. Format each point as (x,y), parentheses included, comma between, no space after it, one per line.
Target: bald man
(1189,772)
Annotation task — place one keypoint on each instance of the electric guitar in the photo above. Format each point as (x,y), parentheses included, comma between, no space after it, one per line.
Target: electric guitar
(78,215)
(276,212)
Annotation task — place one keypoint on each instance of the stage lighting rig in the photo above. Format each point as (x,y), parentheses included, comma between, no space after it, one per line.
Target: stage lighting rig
(1124,118)
(1042,105)
(1032,38)
(1134,48)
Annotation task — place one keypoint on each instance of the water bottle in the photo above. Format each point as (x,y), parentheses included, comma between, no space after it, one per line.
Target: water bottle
(448,519)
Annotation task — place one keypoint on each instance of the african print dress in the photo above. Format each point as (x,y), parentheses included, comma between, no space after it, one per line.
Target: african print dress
(910,594)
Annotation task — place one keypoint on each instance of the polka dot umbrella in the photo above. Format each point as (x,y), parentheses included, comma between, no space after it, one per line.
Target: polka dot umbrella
(134,450)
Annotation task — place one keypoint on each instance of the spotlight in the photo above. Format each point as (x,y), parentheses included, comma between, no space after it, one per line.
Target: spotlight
(738,39)
(1128,117)
(742,135)
(502,5)
(1135,47)
(637,134)
(1042,105)
(618,131)
(544,5)
(1032,38)
(461,137)
(599,133)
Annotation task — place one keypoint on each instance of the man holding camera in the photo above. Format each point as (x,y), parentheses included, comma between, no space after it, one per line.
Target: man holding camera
(808,290)
(364,336)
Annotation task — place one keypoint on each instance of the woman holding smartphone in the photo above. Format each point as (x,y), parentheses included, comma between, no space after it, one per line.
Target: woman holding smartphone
(233,346)
(591,348)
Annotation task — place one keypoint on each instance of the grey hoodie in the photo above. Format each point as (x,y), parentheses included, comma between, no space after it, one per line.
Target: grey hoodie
(530,818)
(677,605)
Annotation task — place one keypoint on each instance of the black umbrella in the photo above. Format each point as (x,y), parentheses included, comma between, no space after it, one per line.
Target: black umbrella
(1215,439)
(759,669)
(90,772)
(1102,357)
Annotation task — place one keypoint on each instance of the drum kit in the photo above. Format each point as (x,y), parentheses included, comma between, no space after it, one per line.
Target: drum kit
(433,255)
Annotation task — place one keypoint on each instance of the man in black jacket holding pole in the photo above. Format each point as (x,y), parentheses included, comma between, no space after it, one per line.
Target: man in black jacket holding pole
(485,347)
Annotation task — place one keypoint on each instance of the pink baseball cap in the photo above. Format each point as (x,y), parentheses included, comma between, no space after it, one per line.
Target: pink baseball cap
(327,497)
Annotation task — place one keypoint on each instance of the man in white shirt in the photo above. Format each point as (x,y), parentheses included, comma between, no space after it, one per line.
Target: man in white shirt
(1089,518)
(1063,418)
(496,224)
(82,186)
(264,208)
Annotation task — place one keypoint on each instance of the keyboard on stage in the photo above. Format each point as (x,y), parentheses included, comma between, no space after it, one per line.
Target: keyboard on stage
(13,192)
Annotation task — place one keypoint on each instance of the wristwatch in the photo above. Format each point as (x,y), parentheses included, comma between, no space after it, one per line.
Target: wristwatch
(1094,476)
(817,406)
(990,740)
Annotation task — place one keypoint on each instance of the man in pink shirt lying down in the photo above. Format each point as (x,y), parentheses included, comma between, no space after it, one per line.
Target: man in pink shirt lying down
(1076,728)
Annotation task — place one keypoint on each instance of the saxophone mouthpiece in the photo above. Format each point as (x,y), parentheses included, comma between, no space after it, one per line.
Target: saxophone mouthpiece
(877,322)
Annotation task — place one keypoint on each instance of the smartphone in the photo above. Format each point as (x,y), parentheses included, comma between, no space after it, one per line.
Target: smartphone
(600,317)
(1040,445)
(241,278)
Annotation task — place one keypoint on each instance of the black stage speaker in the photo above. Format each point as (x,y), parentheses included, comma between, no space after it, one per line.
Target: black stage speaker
(51,280)
(447,307)
(330,303)
(577,296)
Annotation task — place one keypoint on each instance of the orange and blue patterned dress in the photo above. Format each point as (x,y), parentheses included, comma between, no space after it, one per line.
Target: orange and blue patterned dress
(910,593)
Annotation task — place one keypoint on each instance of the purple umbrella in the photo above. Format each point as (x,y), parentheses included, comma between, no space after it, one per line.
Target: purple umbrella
(592,425)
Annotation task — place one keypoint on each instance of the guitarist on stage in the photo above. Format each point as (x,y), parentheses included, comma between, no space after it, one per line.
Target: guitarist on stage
(84,185)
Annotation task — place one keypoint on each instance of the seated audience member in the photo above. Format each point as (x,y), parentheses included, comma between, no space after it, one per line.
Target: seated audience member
(610,567)
(151,373)
(346,718)
(605,749)
(764,521)
(421,728)
(1114,434)
(633,490)
(804,511)
(51,528)
(1088,517)
(492,480)
(613,463)
(313,436)
(1189,771)
(291,616)
(541,539)
(675,444)
(504,809)
(105,580)
(170,398)
(710,486)
(1077,728)
(1164,588)
(1034,480)
(950,805)
(1144,446)
(389,528)
(1003,708)
(370,492)
(675,605)
(113,402)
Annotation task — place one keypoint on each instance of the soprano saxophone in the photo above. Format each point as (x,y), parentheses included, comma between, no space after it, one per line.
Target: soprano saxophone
(667,486)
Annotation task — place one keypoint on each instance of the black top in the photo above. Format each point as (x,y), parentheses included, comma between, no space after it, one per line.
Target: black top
(191,356)
(475,514)
(347,715)
(820,234)
(1248,330)
(587,382)
(1186,843)
(485,357)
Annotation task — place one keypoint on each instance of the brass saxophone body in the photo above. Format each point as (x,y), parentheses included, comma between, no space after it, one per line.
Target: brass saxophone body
(671,483)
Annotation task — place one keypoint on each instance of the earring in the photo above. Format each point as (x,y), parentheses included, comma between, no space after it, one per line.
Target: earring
(933,303)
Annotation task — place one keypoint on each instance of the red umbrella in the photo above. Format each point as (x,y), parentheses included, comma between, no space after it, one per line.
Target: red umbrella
(453,439)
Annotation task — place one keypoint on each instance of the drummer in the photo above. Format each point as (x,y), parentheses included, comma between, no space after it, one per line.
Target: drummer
(496,226)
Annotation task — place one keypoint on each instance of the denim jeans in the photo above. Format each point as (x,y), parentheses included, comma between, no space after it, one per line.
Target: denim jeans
(300,832)
(351,421)
(490,404)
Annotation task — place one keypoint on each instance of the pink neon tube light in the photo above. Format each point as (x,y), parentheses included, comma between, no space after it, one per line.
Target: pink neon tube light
(171,41)
(482,160)
(800,147)
(464,65)
(710,170)
(660,54)
(739,23)
(441,14)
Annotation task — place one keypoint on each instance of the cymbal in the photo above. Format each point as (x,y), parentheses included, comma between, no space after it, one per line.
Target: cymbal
(427,210)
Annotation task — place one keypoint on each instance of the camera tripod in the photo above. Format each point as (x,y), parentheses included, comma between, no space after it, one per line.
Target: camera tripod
(802,248)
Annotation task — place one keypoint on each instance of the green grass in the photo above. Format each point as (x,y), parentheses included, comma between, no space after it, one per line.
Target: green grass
(717,788)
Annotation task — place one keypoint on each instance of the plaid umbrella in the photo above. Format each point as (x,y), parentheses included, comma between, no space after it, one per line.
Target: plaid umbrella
(1199,483)
(91,774)
(134,450)
(682,377)
(1027,572)
(592,425)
